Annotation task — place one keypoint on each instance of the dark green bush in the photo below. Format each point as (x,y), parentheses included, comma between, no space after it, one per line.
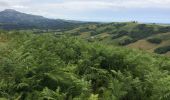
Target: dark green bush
(155,40)
(120,34)
(164,29)
(162,50)
(126,41)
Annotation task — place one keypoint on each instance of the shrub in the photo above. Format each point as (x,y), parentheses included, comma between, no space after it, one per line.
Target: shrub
(162,50)
(155,40)
(126,41)
(164,29)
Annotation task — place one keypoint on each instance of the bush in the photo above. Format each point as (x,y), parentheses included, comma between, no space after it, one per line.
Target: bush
(142,31)
(93,33)
(164,29)
(120,34)
(126,41)
(162,50)
(155,40)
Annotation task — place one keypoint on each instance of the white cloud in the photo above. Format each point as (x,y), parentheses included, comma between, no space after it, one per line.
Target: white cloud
(12,4)
(108,4)
(3,4)
(88,5)
(19,7)
(81,8)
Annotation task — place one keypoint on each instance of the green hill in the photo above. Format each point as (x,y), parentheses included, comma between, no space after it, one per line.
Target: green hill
(148,37)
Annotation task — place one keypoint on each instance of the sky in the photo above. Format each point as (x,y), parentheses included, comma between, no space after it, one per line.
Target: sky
(151,11)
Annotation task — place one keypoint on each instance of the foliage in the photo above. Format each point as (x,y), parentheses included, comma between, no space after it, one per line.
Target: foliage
(155,40)
(162,50)
(52,67)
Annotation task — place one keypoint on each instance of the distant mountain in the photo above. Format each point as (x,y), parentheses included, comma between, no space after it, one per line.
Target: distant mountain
(11,19)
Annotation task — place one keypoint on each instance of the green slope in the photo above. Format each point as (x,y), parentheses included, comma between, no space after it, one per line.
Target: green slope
(130,34)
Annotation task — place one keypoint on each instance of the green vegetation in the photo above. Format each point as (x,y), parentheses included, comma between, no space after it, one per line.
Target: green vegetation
(155,40)
(133,30)
(56,67)
(154,43)
(162,50)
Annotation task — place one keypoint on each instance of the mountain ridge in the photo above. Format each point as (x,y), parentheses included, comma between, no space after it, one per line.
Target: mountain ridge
(12,19)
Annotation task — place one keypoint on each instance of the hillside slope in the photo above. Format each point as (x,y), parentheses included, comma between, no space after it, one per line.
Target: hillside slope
(150,46)
(130,34)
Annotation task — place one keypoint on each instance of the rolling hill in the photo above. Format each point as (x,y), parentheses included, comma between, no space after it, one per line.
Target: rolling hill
(150,37)
(147,37)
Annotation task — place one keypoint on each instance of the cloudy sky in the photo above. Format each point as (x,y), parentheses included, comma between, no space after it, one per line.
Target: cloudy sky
(95,10)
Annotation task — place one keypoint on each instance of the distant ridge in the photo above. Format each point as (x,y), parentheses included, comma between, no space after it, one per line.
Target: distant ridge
(12,19)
